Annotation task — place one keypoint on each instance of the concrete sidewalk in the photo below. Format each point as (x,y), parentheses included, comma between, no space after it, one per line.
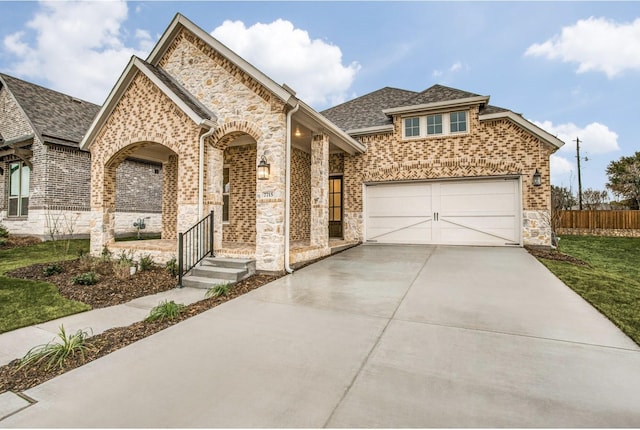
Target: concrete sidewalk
(376,336)
(16,343)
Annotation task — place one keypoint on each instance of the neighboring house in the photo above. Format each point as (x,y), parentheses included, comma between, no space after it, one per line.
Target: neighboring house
(45,178)
(394,166)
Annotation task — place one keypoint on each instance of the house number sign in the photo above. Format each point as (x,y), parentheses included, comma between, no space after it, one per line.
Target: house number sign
(267,194)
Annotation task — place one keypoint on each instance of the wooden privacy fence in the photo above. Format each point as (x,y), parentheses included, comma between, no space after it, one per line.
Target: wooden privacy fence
(600,220)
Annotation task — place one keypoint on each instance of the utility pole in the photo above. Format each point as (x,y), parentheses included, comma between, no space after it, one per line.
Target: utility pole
(579,176)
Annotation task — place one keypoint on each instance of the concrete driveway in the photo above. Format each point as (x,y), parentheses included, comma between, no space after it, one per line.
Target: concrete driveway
(377,336)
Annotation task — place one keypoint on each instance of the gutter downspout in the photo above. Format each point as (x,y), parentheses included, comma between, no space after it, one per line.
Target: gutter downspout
(212,128)
(287,192)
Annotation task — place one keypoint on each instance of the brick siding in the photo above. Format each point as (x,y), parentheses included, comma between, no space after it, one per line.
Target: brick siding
(300,213)
(241,161)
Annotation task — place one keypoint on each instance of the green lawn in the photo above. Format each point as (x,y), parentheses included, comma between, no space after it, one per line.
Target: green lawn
(25,302)
(612,283)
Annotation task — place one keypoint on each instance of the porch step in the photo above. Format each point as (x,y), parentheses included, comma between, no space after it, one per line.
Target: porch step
(202,282)
(228,273)
(219,270)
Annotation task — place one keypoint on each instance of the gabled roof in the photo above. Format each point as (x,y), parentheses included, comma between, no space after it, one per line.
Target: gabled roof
(366,111)
(373,112)
(195,110)
(56,117)
(437,93)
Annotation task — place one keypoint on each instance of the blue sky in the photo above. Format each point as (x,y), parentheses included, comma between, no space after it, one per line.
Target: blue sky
(571,67)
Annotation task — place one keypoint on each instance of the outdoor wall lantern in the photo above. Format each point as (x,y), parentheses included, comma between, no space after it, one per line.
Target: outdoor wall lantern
(537,179)
(263,169)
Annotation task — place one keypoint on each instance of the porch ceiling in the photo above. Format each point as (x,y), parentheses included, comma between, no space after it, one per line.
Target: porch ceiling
(153,152)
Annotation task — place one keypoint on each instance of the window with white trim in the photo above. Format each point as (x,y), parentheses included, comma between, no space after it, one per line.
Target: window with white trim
(19,178)
(433,125)
(412,127)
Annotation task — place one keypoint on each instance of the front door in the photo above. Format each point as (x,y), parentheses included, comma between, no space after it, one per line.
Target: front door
(335,206)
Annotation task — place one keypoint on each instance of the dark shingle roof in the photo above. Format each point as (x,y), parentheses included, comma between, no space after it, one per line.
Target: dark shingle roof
(63,118)
(366,111)
(438,93)
(179,91)
(488,109)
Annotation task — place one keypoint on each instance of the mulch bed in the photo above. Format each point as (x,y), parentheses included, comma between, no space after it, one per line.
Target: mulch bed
(112,289)
(15,242)
(552,254)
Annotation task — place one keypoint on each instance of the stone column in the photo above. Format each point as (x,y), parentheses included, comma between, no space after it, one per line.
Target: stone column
(320,190)
(270,202)
(103,206)
(170,198)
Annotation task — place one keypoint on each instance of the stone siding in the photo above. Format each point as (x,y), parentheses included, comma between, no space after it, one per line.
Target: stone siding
(300,211)
(610,232)
(490,148)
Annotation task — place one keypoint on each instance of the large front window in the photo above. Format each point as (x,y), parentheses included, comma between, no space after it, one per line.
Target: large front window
(19,189)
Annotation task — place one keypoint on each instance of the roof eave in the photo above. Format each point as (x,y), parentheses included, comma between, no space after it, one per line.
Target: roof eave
(388,128)
(135,65)
(181,21)
(437,105)
(527,125)
(337,136)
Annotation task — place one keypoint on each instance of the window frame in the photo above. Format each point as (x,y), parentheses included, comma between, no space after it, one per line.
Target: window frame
(226,192)
(445,117)
(21,200)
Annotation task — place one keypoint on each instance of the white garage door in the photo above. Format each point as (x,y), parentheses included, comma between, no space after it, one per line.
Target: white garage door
(470,212)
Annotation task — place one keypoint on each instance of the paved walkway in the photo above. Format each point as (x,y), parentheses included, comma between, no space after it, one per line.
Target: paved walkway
(16,343)
(376,336)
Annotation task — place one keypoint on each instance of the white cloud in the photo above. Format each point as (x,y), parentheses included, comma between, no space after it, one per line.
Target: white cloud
(596,44)
(455,67)
(313,68)
(595,138)
(77,47)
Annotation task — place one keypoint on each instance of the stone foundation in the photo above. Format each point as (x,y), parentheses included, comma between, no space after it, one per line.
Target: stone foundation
(536,230)
(610,232)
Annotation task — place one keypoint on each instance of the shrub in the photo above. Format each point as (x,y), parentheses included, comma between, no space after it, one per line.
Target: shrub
(172,266)
(4,233)
(218,290)
(56,353)
(3,241)
(125,258)
(52,269)
(87,278)
(165,310)
(105,254)
(146,263)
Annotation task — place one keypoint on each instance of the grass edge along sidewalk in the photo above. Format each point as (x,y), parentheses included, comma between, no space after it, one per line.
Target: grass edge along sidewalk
(26,302)
(611,280)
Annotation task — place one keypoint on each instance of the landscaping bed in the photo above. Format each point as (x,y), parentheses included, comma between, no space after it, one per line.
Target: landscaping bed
(15,379)
(552,254)
(113,287)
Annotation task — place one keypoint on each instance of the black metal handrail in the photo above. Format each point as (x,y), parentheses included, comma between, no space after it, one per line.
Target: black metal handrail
(194,245)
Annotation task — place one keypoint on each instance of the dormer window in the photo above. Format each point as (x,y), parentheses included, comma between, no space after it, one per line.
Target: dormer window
(440,124)
(434,124)
(458,122)
(412,127)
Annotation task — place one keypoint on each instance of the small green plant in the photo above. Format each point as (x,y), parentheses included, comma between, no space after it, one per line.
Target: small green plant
(52,269)
(172,266)
(165,310)
(106,253)
(146,263)
(87,278)
(4,233)
(125,258)
(218,290)
(3,241)
(55,353)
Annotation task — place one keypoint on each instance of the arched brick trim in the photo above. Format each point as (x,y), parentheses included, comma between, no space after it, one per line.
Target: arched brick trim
(227,132)
(445,168)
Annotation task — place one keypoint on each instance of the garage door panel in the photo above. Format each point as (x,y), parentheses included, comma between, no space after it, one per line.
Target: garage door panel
(473,212)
